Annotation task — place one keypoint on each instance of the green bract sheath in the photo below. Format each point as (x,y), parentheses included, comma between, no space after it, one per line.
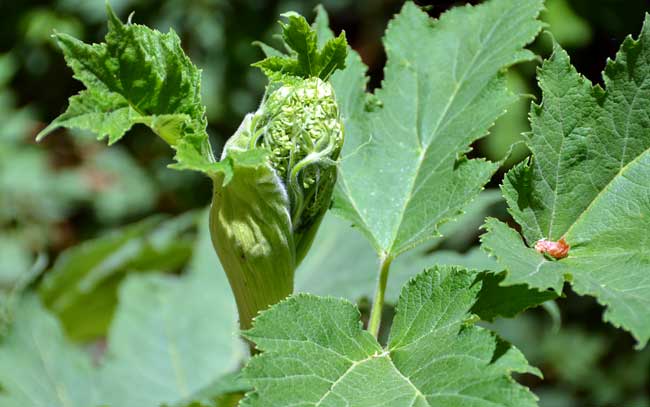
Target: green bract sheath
(264,218)
(251,232)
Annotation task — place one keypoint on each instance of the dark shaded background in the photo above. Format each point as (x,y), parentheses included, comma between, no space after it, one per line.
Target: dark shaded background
(68,189)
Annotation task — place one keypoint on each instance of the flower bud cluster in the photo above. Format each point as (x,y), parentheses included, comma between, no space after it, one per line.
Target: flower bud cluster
(299,124)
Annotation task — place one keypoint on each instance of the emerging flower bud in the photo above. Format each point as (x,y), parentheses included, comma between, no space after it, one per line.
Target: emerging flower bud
(300,124)
(298,132)
(279,171)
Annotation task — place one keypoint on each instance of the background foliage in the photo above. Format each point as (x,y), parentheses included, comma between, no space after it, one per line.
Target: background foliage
(105,237)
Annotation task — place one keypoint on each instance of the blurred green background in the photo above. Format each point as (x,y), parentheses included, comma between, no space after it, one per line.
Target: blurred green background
(137,216)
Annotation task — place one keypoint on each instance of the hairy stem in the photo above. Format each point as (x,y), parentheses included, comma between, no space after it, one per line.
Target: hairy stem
(378,303)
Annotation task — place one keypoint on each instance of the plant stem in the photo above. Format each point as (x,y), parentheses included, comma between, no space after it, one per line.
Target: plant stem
(378,303)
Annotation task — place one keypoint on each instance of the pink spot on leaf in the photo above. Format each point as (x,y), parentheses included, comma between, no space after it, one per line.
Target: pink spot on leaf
(557,250)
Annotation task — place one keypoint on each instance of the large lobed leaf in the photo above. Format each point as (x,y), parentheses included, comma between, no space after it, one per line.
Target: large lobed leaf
(138,76)
(403,171)
(315,352)
(351,262)
(589,183)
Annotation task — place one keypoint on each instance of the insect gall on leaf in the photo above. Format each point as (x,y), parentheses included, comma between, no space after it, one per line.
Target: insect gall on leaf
(557,250)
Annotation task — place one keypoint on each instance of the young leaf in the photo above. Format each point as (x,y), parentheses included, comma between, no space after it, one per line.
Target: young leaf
(315,352)
(304,58)
(300,37)
(587,184)
(332,56)
(409,145)
(138,75)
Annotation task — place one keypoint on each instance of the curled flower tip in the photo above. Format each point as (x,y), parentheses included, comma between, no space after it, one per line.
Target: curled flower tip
(557,250)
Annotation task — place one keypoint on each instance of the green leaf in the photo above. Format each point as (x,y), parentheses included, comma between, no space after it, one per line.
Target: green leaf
(226,391)
(304,58)
(171,336)
(496,300)
(81,288)
(299,36)
(39,367)
(568,28)
(16,260)
(332,56)
(138,76)
(339,248)
(588,183)
(511,253)
(461,232)
(505,139)
(315,352)
(350,265)
(410,146)
(278,65)
(321,25)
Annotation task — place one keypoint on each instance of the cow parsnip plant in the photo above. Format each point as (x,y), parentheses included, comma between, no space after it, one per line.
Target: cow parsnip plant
(394,164)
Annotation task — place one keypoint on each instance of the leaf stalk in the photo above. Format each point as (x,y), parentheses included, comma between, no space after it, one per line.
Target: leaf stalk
(378,303)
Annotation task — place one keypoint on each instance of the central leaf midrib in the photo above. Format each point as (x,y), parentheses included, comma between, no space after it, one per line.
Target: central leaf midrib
(604,190)
(350,369)
(558,165)
(172,351)
(386,355)
(111,88)
(443,116)
(58,388)
(615,176)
